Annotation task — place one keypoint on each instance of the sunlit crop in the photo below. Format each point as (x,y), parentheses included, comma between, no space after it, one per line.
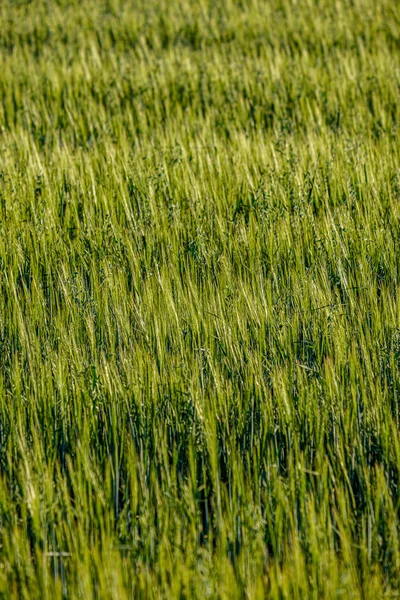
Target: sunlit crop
(199,299)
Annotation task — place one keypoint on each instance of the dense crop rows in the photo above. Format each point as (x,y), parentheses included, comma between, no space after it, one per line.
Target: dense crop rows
(199,311)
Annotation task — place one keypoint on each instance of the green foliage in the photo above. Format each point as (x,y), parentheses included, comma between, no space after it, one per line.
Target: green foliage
(199,299)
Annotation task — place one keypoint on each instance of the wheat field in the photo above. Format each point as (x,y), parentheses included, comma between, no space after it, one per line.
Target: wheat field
(199,299)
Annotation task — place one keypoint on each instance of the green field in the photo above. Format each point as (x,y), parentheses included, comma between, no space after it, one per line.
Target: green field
(199,299)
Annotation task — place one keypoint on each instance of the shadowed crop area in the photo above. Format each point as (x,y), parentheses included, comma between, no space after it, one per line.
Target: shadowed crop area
(199,299)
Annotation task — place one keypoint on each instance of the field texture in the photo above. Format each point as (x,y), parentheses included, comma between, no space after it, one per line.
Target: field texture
(199,299)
